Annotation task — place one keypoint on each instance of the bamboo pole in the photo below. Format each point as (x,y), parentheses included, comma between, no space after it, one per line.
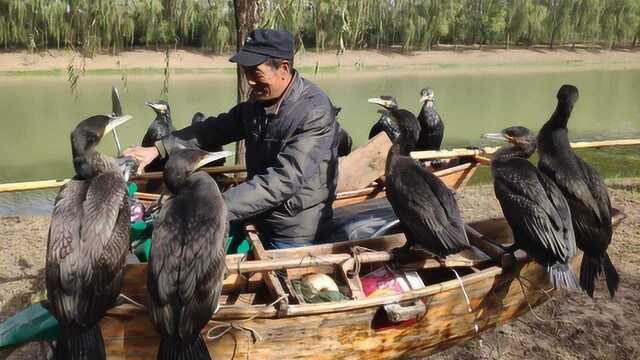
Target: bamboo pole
(447,154)
(420,155)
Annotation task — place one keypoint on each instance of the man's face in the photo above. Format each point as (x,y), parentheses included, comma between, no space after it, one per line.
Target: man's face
(266,82)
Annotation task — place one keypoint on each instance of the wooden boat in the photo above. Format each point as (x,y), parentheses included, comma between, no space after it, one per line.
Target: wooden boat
(262,317)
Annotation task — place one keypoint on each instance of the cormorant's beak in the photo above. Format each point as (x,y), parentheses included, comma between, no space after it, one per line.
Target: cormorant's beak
(213,156)
(162,108)
(426,97)
(498,136)
(382,102)
(116,121)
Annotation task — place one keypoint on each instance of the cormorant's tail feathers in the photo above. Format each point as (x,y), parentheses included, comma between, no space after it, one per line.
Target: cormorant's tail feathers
(562,277)
(170,350)
(78,343)
(610,273)
(589,270)
(592,267)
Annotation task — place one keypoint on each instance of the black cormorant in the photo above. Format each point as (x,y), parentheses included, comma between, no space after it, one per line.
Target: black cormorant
(533,206)
(344,139)
(88,242)
(431,125)
(187,261)
(385,123)
(584,190)
(160,127)
(425,206)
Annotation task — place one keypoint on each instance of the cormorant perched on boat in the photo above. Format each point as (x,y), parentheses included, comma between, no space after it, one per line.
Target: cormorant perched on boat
(385,123)
(534,207)
(88,242)
(344,139)
(424,205)
(431,125)
(162,126)
(187,261)
(159,128)
(584,190)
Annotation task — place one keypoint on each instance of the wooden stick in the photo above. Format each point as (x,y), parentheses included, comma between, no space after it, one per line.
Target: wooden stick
(447,154)
(230,169)
(422,155)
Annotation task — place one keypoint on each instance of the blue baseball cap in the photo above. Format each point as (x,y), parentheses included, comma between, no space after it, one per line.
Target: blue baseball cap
(263,44)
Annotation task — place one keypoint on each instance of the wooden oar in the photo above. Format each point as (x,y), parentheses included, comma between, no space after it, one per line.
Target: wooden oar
(421,155)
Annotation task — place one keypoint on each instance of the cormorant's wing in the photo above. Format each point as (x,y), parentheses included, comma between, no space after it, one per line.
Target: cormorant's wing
(429,208)
(529,210)
(590,215)
(598,191)
(103,231)
(62,270)
(561,206)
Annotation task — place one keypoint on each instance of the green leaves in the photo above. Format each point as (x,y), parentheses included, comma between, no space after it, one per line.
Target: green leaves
(98,25)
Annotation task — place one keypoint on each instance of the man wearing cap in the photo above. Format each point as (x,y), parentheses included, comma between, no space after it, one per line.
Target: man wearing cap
(289,129)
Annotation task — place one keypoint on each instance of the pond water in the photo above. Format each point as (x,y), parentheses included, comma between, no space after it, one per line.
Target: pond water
(39,112)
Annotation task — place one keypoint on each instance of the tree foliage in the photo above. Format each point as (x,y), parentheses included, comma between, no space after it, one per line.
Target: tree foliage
(113,25)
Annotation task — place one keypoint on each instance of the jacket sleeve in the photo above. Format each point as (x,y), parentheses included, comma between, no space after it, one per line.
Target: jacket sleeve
(298,160)
(207,135)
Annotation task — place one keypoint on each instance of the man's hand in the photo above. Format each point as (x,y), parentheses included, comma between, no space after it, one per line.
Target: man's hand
(144,155)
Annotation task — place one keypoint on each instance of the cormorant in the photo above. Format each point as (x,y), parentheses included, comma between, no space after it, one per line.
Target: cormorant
(431,125)
(533,206)
(424,205)
(344,139)
(385,123)
(160,127)
(187,261)
(584,190)
(88,242)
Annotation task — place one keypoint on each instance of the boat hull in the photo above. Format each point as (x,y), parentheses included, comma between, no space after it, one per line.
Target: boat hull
(495,297)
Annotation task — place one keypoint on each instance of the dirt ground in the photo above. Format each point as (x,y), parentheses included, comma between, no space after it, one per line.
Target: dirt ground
(442,61)
(565,327)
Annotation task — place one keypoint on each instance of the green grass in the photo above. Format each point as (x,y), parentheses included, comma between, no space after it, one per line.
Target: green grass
(611,163)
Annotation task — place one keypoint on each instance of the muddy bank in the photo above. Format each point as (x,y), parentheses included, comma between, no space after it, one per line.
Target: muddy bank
(566,327)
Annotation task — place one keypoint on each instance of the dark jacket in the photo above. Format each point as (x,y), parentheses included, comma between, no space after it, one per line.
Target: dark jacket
(291,159)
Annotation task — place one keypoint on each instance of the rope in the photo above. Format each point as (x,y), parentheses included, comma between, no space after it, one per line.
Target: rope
(476,328)
(356,251)
(252,334)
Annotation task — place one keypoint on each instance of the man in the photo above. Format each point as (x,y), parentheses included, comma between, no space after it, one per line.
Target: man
(290,134)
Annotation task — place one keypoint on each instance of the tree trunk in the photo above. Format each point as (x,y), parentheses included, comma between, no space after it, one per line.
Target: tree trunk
(635,41)
(506,41)
(247,14)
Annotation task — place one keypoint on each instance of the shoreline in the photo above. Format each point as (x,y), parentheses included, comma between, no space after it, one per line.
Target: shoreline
(185,62)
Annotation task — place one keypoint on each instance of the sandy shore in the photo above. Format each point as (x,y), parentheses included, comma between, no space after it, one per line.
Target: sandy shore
(566,327)
(443,61)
